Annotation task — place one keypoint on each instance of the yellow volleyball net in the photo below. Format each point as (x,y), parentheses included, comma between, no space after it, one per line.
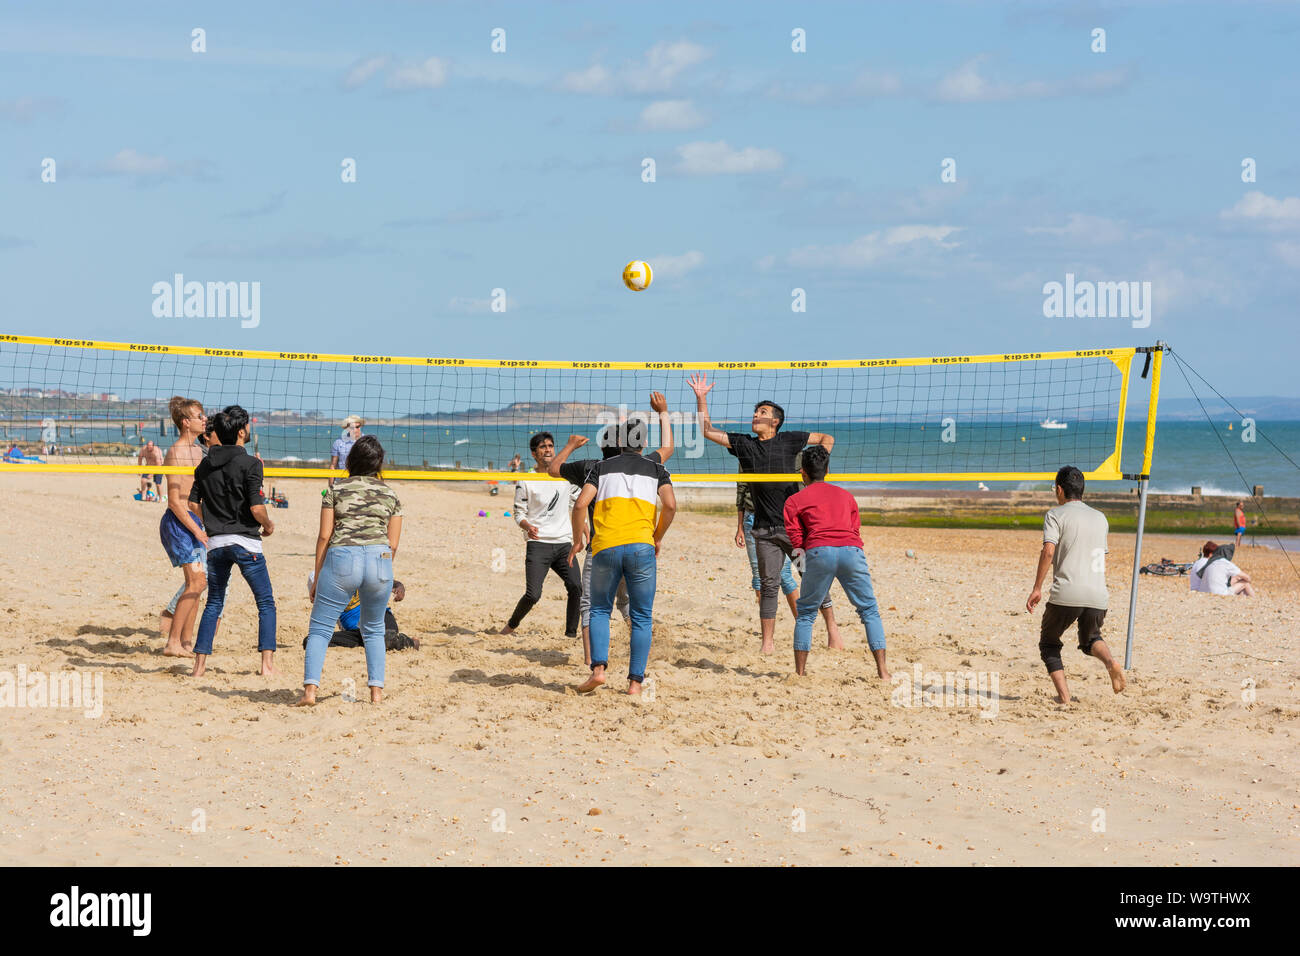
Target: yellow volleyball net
(75,405)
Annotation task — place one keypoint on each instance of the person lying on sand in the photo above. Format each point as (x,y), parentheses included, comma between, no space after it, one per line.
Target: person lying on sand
(349,632)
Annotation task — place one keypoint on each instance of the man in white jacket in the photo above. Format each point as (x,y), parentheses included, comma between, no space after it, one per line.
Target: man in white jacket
(542,513)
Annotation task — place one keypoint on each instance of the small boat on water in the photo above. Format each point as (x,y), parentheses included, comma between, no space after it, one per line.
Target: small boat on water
(1052,423)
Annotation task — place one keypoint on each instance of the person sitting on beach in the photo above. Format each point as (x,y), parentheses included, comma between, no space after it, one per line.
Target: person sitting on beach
(1218,575)
(360,526)
(1074,550)
(227,485)
(349,629)
(625,543)
(575,472)
(823,525)
(1194,579)
(14,451)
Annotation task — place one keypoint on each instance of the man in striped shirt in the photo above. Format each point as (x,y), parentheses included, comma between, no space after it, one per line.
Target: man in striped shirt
(624,544)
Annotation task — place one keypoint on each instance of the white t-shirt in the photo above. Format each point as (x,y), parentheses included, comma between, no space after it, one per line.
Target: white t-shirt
(545,505)
(247,542)
(1217,576)
(1194,576)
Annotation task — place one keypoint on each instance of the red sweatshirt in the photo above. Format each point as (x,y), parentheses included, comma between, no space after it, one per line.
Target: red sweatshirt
(822,515)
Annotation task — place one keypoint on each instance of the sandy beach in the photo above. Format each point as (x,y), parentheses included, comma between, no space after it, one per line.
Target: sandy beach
(481,754)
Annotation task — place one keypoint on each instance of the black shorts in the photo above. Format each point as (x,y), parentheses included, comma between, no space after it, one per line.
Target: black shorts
(1056,620)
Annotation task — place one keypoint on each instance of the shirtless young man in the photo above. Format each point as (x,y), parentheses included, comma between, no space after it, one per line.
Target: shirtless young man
(150,454)
(181,529)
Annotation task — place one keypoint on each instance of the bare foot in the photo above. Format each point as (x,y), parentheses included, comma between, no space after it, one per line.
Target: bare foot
(376,695)
(633,688)
(416,642)
(200,665)
(1117,681)
(591,683)
(835,644)
(269,670)
(769,647)
(308,698)
(884,674)
(1062,700)
(165,626)
(506,629)
(175,650)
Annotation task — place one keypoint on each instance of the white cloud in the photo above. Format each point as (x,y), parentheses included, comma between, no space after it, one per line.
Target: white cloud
(672,115)
(874,248)
(1086,228)
(429,75)
(657,71)
(1259,207)
(674,267)
(708,159)
(1288,252)
(662,64)
(594,79)
(967,84)
(25,108)
(363,70)
(143,167)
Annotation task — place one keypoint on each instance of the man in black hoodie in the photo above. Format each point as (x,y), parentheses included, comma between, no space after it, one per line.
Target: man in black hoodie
(227,485)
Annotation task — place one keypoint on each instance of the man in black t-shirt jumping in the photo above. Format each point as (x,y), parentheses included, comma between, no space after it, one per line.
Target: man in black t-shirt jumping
(768,451)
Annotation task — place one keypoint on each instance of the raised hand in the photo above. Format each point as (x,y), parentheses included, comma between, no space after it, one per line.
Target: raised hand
(700,384)
(658,402)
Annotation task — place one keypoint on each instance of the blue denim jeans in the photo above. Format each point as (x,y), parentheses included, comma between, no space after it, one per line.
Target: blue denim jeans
(367,569)
(253,567)
(821,567)
(635,564)
(788,584)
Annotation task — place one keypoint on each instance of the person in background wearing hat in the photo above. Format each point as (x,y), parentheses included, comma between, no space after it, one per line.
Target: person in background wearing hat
(343,444)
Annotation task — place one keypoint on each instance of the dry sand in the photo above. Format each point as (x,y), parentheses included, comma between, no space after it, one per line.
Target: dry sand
(480,755)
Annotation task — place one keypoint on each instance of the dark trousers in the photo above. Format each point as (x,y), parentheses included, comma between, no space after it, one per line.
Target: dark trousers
(539,559)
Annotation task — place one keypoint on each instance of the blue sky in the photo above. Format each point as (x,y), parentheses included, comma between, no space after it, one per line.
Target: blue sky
(775,170)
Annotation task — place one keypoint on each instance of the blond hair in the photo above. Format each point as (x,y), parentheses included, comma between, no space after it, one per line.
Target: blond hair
(178,406)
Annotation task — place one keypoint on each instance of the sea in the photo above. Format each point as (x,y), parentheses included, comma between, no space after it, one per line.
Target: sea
(1186,455)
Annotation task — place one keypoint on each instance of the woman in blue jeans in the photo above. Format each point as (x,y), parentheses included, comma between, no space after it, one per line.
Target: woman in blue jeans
(360,524)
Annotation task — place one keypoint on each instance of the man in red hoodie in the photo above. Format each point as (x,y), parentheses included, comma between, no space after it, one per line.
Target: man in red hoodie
(823,524)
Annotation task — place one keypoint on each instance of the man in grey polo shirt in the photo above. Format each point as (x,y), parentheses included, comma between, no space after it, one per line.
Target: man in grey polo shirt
(1074,549)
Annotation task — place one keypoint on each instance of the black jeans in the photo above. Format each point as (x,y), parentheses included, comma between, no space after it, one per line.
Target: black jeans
(539,559)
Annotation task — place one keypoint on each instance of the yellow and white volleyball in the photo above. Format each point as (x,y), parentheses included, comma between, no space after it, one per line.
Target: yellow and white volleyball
(637,275)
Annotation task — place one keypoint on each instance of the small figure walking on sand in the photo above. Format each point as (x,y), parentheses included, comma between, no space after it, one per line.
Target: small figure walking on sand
(1239,522)
(1074,550)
